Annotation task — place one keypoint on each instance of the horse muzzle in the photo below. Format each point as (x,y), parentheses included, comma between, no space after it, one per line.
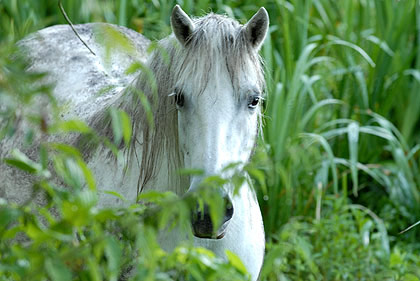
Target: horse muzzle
(202,224)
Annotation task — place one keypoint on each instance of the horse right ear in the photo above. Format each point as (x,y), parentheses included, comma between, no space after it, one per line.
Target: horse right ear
(182,25)
(257,27)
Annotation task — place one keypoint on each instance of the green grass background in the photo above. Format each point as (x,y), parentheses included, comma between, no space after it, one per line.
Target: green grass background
(337,174)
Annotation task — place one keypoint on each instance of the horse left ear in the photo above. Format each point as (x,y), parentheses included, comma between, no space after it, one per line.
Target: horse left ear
(256,28)
(182,25)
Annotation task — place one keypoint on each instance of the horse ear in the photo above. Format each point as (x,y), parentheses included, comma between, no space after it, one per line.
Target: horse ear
(182,25)
(256,28)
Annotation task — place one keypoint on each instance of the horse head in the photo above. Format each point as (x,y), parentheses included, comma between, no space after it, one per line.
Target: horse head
(217,92)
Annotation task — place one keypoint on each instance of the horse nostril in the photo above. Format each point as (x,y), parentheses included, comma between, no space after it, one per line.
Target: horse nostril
(203,226)
(201,222)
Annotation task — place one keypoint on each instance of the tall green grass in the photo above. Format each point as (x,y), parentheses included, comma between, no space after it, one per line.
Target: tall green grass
(343,80)
(341,130)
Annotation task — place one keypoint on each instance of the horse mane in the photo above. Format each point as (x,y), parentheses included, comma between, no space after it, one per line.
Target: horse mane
(216,40)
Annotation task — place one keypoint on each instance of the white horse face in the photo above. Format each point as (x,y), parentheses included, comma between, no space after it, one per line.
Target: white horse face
(217,128)
(218,124)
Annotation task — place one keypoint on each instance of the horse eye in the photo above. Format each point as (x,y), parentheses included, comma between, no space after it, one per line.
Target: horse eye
(179,98)
(254,101)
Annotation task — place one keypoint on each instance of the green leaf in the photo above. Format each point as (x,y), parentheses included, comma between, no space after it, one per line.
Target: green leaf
(113,254)
(147,107)
(121,126)
(410,277)
(94,269)
(113,41)
(156,196)
(116,194)
(236,261)
(190,172)
(8,215)
(56,270)
(87,173)
(65,148)
(21,161)
(67,126)
(20,165)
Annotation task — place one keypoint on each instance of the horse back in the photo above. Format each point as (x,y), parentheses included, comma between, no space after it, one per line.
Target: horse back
(83,76)
(83,82)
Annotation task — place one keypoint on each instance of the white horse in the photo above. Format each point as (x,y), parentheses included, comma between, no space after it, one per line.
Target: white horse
(206,113)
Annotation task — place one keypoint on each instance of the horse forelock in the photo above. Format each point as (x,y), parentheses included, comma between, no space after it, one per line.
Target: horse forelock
(216,42)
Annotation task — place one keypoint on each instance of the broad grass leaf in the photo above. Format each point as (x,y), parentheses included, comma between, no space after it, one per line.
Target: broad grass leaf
(337,41)
(330,155)
(353,139)
(376,173)
(321,177)
(313,109)
(415,73)
(381,43)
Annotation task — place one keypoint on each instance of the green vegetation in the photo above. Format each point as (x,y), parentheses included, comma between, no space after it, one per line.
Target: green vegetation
(337,175)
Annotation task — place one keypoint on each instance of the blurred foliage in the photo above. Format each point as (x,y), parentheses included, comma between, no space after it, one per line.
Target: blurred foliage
(337,174)
(346,244)
(86,243)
